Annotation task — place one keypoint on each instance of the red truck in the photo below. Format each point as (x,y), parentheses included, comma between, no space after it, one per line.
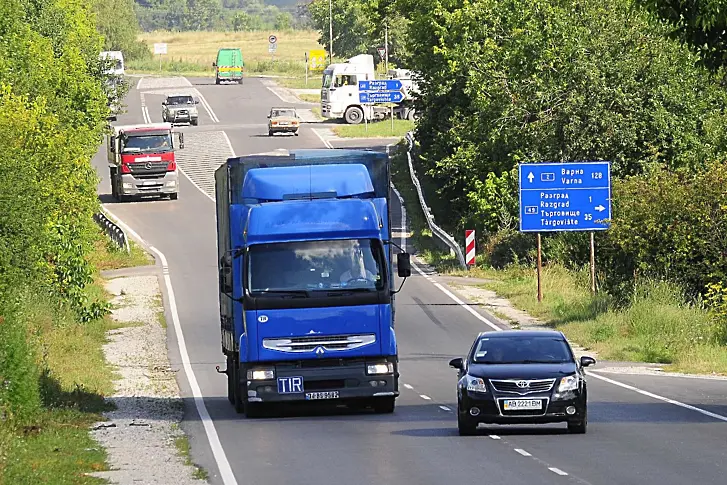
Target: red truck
(141,160)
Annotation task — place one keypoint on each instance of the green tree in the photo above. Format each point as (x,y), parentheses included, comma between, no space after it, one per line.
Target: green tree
(351,26)
(283,21)
(701,23)
(116,21)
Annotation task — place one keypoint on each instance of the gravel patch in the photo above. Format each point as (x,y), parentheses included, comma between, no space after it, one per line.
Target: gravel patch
(139,436)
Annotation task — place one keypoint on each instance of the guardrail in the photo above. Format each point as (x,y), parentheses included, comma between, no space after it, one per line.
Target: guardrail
(437,231)
(113,231)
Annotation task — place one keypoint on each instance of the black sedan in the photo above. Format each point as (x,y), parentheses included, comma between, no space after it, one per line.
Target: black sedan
(517,377)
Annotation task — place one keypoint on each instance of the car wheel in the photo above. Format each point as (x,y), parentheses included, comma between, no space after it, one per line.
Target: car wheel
(579,427)
(465,426)
(195,122)
(270,133)
(384,405)
(174,196)
(296,133)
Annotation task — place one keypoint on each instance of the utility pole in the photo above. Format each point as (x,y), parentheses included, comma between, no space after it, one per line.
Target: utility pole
(386,45)
(330,29)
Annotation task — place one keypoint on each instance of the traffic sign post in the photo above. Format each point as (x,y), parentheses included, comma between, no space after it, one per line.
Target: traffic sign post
(380,91)
(272,46)
(160,48)
(561,197)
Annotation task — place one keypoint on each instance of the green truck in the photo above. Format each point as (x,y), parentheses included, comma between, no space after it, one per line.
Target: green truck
(228,66)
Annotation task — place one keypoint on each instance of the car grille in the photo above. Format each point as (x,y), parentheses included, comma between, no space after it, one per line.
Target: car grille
(313,342)
(523,386)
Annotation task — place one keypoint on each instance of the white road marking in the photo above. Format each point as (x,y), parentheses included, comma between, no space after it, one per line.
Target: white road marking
(522,452)
(229,144)
(558,471)
(228,477)
(494,437)
(660,398)
(444,408)
(207,107)
(138,84)
(408,386)
(425,397)
(325,142)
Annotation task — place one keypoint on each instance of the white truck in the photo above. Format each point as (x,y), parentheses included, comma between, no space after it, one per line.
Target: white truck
(340,93)
(114,72)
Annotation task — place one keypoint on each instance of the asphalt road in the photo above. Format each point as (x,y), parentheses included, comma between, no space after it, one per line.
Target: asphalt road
(634,437)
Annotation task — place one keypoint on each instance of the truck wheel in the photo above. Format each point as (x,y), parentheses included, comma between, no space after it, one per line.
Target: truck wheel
(254,410)
(230,380)
(238,388)
(217,80)
(112,180)
(353,115)
(239,81)
(384,405)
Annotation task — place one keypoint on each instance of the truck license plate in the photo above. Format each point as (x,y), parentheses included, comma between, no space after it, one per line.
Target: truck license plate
(522,404)
(290,385)
(321,395)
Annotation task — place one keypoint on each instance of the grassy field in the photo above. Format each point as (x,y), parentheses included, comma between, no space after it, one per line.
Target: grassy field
(55,447)
(658,325)
(379,129)
(192,53)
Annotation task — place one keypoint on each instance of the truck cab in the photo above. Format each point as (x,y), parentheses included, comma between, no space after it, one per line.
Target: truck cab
(142,160)
(306,279)
(339,90)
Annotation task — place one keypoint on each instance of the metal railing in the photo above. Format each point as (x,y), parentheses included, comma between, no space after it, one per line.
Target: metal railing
(114,232)
(437,231)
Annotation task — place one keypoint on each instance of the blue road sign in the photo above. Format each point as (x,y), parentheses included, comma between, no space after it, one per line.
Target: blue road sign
(573,196)
(380,97)
(380,85)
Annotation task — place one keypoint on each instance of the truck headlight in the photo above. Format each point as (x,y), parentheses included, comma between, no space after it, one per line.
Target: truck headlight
(568,383)
(261,374)
(382,368)
(476,384)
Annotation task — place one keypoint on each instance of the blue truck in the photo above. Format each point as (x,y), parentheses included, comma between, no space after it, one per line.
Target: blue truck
(306,281)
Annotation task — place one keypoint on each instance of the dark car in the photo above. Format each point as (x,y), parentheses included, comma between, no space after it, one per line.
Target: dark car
(518,376)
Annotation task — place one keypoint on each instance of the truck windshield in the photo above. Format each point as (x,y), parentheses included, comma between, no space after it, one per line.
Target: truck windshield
(350,264)
(147,143)
(327,78)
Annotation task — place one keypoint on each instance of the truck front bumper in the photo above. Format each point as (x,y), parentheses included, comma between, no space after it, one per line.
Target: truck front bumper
(337,379)
(168,184)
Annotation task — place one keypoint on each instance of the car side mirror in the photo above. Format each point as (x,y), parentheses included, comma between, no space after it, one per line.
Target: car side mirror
(403,265)
(457,363)
(586,361)
(225,274)
(214,64)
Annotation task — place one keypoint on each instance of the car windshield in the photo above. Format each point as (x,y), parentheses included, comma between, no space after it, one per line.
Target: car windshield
(520,350)
(282,113)
(147,143)
(350,264)
(176,100)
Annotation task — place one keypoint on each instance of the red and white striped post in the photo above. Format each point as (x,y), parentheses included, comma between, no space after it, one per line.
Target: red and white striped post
(469,237)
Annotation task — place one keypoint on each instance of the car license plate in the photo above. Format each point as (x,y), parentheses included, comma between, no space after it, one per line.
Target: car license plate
(283,123)
(523,404)
(290,385)
(321,395)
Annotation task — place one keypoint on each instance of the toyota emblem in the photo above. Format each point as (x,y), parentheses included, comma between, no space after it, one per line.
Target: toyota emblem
(522,384)
(148,166)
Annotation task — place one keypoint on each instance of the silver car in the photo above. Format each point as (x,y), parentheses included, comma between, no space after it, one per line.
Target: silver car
(180,108)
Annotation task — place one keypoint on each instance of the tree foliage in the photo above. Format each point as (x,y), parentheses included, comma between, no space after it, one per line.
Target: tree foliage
(700,23)
(116,21)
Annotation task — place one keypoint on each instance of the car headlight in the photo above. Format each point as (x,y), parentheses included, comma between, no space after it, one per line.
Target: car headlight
(476,384)
(383,368)
(261,374)
(568,383)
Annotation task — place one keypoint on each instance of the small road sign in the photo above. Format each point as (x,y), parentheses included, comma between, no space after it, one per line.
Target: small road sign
(272,47)
(573,196)
(317,59)
(469,238)
(380,85)
(160,48)
(382,52)
(380,97)
(272,39)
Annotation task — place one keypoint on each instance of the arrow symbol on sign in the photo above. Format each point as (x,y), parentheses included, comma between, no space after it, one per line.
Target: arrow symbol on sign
(600,208)
(531,177)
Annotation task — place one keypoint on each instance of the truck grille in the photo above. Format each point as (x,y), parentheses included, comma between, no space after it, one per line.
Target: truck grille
(313,342)
(144,168)
(523,386)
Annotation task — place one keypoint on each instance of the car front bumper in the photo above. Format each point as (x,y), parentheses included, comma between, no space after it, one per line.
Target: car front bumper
(491,406)
(335,381)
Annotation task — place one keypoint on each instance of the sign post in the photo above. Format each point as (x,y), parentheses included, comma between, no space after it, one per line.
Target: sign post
(160,48)
(469,242)
(380,91)
(272,46)
(560,197)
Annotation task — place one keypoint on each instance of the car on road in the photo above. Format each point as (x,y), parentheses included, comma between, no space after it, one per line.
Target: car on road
(521,377)
(180,108)
(283,120)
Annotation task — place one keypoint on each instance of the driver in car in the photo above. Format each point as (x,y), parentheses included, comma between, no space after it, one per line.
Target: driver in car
(358,270)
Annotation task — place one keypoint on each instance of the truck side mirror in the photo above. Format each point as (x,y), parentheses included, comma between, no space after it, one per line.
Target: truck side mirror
(225,275)
(403,265)
(214,64)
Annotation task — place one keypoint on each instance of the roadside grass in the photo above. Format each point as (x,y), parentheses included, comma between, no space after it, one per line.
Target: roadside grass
(184,450)
(310,98)
(657,325)
(54,445)
(107,255)
(379,129)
